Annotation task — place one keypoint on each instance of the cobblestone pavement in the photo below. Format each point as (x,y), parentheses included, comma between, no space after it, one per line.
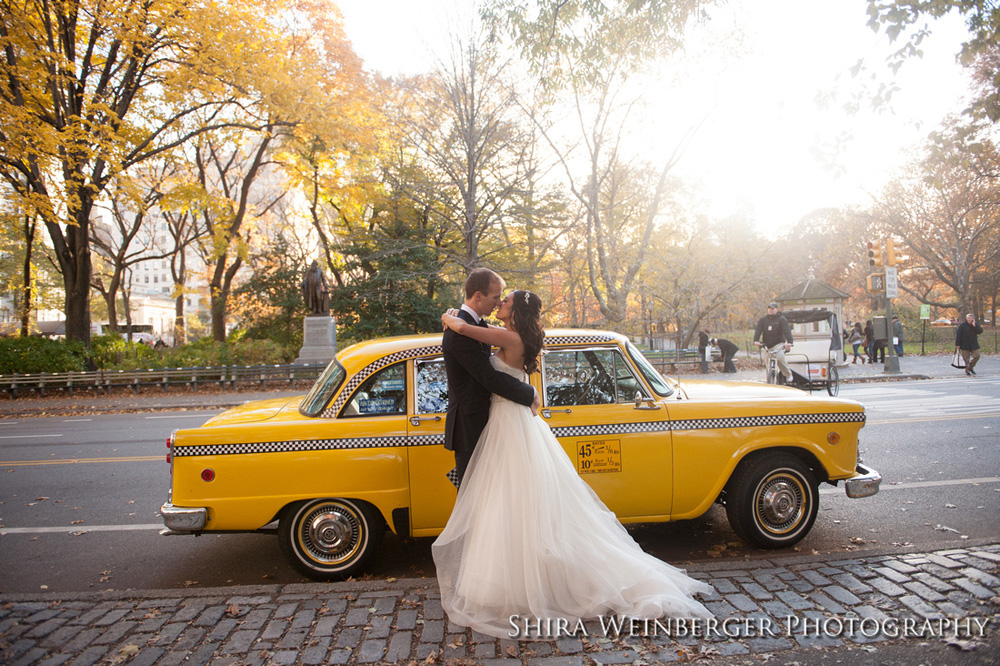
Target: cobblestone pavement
(761,608)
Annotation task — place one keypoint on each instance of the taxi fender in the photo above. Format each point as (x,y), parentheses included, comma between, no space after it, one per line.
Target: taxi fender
(807,450)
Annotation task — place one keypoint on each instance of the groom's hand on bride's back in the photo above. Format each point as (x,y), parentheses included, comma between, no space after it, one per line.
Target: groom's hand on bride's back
(536,403)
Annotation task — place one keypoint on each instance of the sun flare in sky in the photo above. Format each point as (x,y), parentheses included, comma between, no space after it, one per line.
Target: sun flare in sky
(766,145)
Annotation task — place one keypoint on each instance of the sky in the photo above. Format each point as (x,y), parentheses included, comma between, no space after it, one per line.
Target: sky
(764,148)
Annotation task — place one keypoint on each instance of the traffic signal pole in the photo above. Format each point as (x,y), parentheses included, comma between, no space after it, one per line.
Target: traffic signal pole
(891,366)
(884,281)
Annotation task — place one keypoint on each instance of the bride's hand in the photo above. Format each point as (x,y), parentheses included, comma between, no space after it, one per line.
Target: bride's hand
(449,320)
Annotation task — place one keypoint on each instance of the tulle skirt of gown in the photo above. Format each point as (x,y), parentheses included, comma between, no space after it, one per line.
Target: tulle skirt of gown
(529,538)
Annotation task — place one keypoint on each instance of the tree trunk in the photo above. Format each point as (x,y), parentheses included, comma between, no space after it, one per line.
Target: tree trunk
(220,288)
(179,337)
(218,315)
(72,250)
(29,238)
(112,302)
(127,303)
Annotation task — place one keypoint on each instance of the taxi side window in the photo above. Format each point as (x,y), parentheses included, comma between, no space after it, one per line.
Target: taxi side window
(381,394)
(432,387)
(587,377)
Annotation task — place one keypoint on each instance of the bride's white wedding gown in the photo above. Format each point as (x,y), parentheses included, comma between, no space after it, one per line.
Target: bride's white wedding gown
(529,538)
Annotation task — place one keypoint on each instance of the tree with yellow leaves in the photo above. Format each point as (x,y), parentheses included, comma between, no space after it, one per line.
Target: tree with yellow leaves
(91,89)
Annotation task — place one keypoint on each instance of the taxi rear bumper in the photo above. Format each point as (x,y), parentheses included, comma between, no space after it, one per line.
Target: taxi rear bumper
(182,519)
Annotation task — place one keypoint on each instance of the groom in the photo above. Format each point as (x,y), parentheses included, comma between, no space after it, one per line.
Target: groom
(471,376)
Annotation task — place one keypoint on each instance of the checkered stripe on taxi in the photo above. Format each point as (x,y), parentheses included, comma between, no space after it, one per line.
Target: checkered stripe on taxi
(578,339)
(306,445)
(761,421)
(370,369)
(566,431)
(706,424)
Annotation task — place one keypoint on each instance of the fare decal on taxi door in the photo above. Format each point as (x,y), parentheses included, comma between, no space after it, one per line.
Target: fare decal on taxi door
(598,456)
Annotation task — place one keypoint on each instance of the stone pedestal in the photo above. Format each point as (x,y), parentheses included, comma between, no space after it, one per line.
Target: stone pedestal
(319,339)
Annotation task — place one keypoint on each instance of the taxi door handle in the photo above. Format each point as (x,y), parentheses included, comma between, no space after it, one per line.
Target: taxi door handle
(547,413)
(416,420)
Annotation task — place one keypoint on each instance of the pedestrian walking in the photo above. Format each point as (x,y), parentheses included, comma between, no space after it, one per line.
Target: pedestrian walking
(967,342)
(869,340)
(856,340)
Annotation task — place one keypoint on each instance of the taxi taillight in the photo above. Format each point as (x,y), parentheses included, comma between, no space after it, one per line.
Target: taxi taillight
(170,447)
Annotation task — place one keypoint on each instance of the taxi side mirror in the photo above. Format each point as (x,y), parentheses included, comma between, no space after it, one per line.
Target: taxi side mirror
(644,403)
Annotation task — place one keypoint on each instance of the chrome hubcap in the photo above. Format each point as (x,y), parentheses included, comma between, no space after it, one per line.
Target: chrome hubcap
(779,503)
(330,531)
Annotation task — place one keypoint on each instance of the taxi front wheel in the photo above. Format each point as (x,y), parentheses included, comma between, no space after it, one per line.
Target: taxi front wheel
(330,539)
(772,500)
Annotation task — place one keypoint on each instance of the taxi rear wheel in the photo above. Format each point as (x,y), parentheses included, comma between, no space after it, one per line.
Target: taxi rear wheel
(772,500)
(330,539)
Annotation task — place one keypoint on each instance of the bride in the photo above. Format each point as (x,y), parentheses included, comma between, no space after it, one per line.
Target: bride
(529,543)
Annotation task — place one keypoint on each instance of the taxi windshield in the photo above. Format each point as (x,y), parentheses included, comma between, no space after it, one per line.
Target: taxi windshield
(654,378)
(326,385)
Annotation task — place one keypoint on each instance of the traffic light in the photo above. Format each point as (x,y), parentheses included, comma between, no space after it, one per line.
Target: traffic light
(875,254)
(891,248)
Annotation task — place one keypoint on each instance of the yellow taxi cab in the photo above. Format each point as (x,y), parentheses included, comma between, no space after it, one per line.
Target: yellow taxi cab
(364,450)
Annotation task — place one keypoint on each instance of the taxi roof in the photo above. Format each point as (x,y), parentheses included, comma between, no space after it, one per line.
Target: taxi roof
(362,353)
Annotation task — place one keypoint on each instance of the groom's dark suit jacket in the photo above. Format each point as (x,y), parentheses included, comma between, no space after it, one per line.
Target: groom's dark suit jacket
(471,380)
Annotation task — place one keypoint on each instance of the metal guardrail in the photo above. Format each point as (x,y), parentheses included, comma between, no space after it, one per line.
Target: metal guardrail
(103,381)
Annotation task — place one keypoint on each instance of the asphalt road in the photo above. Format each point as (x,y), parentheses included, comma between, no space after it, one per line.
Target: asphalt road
(79,498)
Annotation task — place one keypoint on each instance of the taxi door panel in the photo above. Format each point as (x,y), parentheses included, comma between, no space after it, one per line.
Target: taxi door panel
(623,452)
(432,493)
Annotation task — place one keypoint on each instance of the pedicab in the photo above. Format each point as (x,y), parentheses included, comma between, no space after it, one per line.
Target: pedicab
(813,361)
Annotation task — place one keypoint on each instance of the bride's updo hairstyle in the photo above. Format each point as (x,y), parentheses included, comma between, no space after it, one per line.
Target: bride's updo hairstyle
(526,315)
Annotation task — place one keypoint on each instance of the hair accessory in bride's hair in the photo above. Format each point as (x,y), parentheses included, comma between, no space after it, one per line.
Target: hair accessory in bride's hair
(527,297)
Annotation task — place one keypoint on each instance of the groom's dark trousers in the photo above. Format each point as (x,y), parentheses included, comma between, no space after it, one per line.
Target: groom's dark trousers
(471,381)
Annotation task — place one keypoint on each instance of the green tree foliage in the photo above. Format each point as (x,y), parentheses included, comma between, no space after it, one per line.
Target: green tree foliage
(577,43)
(393,276)
(907,22)
(28,355)
(269,304)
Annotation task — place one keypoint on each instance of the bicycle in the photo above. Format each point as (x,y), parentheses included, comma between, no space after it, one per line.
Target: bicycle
(771,373)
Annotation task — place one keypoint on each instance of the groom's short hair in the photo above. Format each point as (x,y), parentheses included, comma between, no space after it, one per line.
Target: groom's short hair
(480,279)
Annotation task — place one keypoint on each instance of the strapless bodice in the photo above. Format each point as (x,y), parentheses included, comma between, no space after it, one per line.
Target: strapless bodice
(500,365)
